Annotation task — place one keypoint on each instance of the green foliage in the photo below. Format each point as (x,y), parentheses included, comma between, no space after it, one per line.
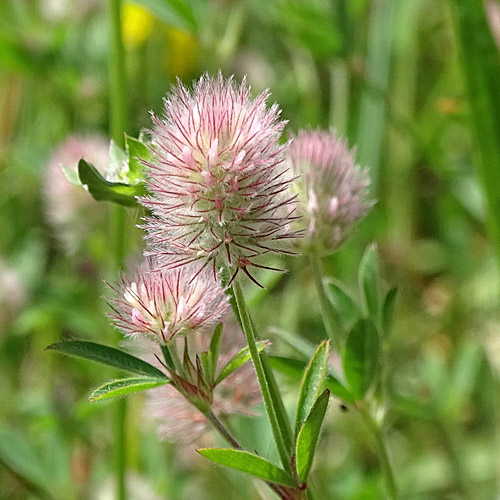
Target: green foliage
(107,356)
(368,277)
(294,368)
(312,383)
(481,69)
(346,308)
(239,359)
(103,190)
(308,436)
(388,310)
(125,386)
(360,358)
(249,463)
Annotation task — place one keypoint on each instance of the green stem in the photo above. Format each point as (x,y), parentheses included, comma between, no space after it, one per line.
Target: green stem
(224,432)
(117,76)
(118,125)
(280,424)
(390,482)
(221,429)
(327,310)
(454,455)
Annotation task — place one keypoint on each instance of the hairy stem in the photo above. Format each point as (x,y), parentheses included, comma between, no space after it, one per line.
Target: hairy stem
(327,310)
(270,392)
(222,430)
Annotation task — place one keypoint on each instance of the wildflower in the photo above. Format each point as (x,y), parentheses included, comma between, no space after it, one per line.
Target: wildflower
(334,189)
(163,304)
(70,210)
(137,24)
(218,180)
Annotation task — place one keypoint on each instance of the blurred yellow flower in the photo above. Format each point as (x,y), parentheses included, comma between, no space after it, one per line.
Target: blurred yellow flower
(137,24)
(182,52)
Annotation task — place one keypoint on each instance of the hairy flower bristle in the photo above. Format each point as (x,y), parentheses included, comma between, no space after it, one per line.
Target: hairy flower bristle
(162,304)
(334,190)
(218,180)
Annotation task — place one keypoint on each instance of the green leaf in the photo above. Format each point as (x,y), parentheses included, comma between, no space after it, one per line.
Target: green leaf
(312,383)
(103,190)
(172,12)
(239,359)
(347,309)
(307,438)
(167,357)
(369,282)
(294,368)
(388,310)
(214,350)
(481,68)
(249,463)
(136,151)
(107,356)
(125,386)
(360,357)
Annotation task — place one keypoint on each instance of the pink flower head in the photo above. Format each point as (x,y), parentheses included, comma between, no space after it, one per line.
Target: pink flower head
(334,189)
(71,211)
(162,304)
(218,181)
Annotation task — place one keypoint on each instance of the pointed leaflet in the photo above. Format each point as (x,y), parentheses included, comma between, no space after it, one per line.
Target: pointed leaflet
(136,152)
(312,382)
(125,386)
(239,359)
(294,368)
(214,351)
(249,463)
(369,282)
(388,310)
(347,310)
(103,190)
(107,356)
(360,357)
(307,438)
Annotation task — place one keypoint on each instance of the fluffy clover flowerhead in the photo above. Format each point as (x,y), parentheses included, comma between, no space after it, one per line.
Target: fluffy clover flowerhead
(218,181)
(70,210)
(161,304)
(334,190)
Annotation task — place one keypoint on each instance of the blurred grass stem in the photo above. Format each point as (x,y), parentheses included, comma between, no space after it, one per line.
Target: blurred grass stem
(385,464)
(118,124)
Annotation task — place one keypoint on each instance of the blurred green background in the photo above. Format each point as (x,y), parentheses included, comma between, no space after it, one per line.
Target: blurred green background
(389,75)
